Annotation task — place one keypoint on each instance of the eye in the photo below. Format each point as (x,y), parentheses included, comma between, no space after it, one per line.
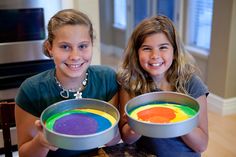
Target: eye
(65,47)
(146,48)
(163,48)
(83,46)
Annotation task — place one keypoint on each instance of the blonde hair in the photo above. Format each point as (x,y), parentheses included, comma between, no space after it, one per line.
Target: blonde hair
(66,17)
(132,77)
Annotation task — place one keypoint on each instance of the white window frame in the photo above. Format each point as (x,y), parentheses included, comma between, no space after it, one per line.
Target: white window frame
(120,21)
(189,36)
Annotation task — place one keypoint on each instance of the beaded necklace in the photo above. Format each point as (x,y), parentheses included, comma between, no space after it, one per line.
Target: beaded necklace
(65,93)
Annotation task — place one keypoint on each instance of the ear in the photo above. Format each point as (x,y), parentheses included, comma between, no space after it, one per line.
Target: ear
(48,47)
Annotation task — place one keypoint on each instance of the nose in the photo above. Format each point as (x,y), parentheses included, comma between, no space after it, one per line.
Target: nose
(75,54)
(155,54)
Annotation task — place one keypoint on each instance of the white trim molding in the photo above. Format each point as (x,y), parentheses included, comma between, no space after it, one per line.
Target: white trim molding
(220,105)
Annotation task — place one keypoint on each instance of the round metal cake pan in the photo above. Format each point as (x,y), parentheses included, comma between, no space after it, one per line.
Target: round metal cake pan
(80,142)
(162,130)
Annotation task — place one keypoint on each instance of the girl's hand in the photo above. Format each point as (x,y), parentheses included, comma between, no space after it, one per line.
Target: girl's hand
(115,140)
(129,135)
(41,138)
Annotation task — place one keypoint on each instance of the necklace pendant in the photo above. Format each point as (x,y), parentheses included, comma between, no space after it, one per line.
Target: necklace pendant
(64,94)
(78,95)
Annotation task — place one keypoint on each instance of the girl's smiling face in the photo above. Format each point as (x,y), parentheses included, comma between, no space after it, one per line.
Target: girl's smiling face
(71,50)
(156,54)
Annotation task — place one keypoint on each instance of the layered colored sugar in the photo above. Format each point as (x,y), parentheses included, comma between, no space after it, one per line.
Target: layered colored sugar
(162,113)
(80,122)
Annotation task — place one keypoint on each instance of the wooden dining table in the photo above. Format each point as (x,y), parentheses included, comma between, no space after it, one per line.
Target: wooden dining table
(119,150)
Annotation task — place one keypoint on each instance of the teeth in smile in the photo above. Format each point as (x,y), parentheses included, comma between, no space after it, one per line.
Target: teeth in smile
(74,66)
(157,64)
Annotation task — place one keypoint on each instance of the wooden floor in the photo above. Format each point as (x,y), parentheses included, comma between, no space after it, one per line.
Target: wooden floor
(222,131)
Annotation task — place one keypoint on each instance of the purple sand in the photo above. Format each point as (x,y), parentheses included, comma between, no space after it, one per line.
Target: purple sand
(76,124)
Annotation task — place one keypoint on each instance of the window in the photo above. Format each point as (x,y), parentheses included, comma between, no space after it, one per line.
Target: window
(199,23)
(144,8)
(120,14)
(140,11)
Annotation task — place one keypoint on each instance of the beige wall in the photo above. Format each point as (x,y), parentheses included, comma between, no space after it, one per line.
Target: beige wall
(221,77)
(231,70)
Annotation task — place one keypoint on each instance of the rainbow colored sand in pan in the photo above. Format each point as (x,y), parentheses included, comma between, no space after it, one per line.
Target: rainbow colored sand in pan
(162,113)
(80,122)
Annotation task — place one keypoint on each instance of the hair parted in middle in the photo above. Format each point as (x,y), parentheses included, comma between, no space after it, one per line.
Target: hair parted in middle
(134,79)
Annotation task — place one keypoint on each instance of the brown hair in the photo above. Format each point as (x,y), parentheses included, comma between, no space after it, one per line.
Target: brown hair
(134,78)
(66,17)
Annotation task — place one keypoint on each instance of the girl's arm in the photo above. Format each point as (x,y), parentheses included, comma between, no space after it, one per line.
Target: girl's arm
(31,141)
(127,134)
(198,138)
(114,101)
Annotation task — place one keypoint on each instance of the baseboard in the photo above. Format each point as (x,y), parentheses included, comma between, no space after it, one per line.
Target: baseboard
(221,105)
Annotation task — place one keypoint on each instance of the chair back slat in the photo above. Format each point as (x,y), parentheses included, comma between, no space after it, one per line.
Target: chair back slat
(7,120)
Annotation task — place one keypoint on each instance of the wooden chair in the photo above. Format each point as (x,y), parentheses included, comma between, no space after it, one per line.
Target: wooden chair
(7,120)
